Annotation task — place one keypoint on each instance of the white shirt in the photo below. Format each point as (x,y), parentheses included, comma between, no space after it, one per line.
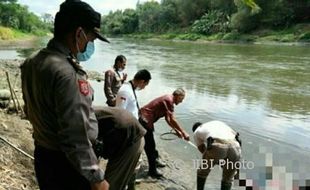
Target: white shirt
(126,99)
(214,129)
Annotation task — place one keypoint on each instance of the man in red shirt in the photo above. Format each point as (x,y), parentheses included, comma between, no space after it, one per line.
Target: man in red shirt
(160,107)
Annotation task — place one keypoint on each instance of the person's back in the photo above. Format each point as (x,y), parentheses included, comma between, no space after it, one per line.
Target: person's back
(158,108)
(214,129)
(219,145)
(122,138)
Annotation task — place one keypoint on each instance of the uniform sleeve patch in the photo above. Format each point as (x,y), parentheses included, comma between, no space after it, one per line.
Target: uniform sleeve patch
(84,87)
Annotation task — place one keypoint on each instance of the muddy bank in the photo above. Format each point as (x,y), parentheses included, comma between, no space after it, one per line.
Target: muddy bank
(28,42)
(16,170)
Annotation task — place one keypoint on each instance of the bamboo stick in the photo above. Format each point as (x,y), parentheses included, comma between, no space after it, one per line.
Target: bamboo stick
(16,148)
(11,90)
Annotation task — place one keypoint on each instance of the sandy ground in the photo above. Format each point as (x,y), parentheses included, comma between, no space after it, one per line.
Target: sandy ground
(16,169)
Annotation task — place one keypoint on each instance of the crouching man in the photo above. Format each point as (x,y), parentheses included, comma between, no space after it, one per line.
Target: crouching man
(219,145)
(120,140)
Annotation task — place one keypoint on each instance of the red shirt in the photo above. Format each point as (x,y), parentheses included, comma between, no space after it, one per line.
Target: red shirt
(157,108)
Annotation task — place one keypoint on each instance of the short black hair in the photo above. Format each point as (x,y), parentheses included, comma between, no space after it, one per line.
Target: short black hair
(119,58)
(143,75)
(196,125)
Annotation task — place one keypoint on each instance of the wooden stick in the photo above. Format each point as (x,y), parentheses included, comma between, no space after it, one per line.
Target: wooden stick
(12,95)
(15,82)
(19,106)
(16,148)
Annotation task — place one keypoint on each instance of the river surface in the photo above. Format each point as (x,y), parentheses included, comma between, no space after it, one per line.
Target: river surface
(262,91)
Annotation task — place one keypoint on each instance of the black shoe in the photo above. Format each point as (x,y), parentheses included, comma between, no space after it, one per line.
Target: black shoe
(155,174)
(160,164)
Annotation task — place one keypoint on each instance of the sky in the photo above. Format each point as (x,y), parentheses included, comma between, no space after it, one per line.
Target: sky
(40,7)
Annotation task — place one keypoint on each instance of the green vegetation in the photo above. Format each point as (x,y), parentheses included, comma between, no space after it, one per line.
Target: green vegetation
(16,21)
(6,33)
(208,20)
(228,20)
(10,34)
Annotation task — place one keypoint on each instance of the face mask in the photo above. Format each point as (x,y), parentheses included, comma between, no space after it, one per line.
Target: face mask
(90,49)
(120,70)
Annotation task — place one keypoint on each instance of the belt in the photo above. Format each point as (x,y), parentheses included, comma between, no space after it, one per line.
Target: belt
(211,140)
(223,141)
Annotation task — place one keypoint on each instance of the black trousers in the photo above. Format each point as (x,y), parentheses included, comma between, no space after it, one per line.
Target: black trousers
(55,172)
(150,148)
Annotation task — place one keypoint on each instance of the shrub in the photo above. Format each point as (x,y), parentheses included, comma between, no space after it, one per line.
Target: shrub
(191,37)
(231,36)
(305,37)
(212,22)
(6,33)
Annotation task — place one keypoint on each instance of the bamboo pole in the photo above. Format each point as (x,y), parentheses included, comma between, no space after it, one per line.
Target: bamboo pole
(16,148)
(19,106)
(11,90)
(15,82)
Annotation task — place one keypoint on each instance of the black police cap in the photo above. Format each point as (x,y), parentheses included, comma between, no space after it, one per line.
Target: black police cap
(74,13)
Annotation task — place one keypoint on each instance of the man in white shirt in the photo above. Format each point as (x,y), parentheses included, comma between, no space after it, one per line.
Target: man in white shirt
(126,97)
(219,145)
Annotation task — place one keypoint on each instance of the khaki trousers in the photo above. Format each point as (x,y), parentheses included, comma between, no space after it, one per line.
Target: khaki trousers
(120,169)
(225,154)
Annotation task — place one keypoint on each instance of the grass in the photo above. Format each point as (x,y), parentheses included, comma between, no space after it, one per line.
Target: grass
(297,33)
(13,34)
(6,33)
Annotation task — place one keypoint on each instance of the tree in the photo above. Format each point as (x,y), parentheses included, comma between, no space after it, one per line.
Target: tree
(17,16)
(169,18)
(254,7)
(212,22)
(8,1)
(189,11)
(245,19)
(48,18)
(130,21)
(148,13)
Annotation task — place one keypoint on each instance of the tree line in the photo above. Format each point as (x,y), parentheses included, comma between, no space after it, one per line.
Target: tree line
(16,16)
(207,16)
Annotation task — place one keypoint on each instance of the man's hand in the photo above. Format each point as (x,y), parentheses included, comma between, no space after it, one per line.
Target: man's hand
(185,136)
(178,133)
(124,76)
(103,185)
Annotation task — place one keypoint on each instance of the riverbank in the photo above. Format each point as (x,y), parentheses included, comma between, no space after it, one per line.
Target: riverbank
(299,34)
(296,35)
(16,170)
(27,42)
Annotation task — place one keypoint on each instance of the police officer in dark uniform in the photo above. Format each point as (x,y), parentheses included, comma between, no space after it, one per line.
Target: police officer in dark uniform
(58,102)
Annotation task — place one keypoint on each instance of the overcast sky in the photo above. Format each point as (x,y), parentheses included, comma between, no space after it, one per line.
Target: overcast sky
(103,6)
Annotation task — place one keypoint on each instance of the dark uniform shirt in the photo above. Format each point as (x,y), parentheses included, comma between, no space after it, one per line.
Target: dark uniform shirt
(58,102)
